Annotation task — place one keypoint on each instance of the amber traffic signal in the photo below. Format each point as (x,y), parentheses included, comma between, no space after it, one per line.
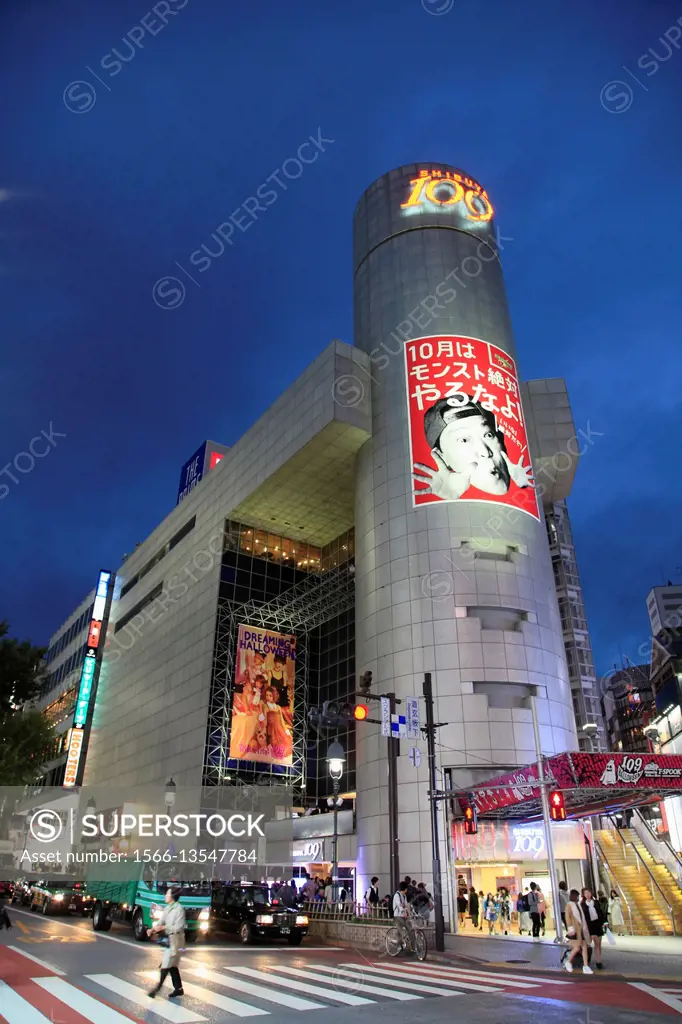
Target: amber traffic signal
(556,806)
(470,820)
(360,712)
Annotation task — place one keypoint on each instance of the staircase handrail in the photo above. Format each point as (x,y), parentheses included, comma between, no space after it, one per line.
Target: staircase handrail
(611,878)
(641,863)
(673,854)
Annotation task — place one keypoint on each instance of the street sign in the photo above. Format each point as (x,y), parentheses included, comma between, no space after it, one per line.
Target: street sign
(412,715)
(415,756)
(398,726)
(385,716)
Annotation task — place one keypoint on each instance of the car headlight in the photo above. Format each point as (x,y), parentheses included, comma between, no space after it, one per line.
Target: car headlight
(203,926)
(58,896)
(301,919)
(265,919)
(204,914)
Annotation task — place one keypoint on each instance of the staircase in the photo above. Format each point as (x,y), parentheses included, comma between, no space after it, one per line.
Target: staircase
(650,914)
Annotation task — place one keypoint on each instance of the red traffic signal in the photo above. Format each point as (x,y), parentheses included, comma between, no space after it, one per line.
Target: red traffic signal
(360,712)
(470,820)
(556,806)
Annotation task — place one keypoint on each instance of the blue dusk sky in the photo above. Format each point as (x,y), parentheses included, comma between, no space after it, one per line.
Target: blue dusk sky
(130,134)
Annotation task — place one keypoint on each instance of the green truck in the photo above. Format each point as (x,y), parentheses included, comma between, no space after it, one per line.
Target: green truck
(140,901)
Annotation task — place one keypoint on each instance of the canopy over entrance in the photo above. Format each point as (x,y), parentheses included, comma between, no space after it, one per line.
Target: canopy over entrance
(590,783)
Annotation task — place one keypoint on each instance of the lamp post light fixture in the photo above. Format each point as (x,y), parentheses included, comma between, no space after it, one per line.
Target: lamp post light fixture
(590,730)
(171,789)
(336,759)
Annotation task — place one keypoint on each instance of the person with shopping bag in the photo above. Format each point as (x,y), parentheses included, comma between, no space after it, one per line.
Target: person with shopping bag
(172,923)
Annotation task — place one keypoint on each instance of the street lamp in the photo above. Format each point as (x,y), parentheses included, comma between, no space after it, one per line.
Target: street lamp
(336,759)
(653,735)
(170,794)
(590,730)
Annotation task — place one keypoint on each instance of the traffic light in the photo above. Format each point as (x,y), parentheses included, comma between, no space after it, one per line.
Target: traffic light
(470,820)
(340,713)
(360,712)
(556,806)
(365,683)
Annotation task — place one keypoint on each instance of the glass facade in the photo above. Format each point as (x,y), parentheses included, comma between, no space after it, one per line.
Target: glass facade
(260,568)
(581,671)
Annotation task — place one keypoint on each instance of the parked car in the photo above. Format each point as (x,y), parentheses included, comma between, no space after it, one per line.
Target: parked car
(251,911)
(60,896)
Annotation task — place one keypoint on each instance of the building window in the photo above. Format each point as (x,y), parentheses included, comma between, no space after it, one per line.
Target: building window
(151,596)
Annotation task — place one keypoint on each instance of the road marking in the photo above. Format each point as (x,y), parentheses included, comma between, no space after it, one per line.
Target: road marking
(42,963)
(88,1006)
(657,993)
(281,998)
(22,928)
(456,976)
(16,1010)
(317,974)
(161,1006)
(302,986)
(412,981)
(508,978)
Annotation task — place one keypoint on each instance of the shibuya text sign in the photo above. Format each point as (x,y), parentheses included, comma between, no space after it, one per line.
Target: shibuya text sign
(449,191)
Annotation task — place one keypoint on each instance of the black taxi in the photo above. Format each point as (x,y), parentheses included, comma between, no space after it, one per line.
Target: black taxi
(60,896)
(252,912)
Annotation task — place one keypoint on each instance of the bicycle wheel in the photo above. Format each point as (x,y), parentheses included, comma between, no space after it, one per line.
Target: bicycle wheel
(419,940)
(394,943)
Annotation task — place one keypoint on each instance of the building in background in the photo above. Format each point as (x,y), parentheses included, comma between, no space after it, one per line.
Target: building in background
(554,448)
(628,707)
(664,605)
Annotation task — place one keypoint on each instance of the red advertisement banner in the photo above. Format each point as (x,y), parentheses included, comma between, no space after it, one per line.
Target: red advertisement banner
(468,437)
(582,771)
(263,703)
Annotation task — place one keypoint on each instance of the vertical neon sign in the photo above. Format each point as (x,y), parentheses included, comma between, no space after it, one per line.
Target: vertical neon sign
(87,681)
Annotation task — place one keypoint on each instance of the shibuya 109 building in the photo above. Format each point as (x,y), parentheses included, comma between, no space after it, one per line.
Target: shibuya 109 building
(399,510)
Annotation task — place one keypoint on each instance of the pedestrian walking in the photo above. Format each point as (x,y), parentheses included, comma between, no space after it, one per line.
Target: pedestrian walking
(595,919)
(525,923)
(422,904)
(481,901)
(616,919)
(5,920)
(563,900)
(473,906)
(309,890)
(505,905)
(533,909)
(542,910)
(172,922)
(577,933)
(462,904)
(491,912)
(603,901)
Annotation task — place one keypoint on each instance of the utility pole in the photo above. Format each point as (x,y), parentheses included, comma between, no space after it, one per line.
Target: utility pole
(433,804)
(393,751)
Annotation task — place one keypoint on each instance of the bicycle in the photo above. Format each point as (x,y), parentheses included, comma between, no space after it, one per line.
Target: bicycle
(409,940)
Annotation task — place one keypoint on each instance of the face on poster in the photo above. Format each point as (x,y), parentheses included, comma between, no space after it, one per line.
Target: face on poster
(263,702)
(468,438)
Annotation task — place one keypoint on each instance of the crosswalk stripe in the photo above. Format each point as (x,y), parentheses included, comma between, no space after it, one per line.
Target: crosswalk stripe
(317,974)
(434,971)
(662,997)
(234,1006)
(16,1010)
(412,986)
(449,983)
(281,998)
(41,963)
(176,1014)
(301,986)
(88,1006)
(487,974)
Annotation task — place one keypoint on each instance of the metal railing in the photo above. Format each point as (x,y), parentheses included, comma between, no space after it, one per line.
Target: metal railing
(641,863)
(358,913)
(611,882)
(668,856)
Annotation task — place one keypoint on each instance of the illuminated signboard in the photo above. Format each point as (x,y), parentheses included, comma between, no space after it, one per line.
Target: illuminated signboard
(73,760)
(87,680)
(448,191)
(195,469)
(214,459)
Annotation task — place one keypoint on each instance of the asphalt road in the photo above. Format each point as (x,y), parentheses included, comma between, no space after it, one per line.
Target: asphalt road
(59,970)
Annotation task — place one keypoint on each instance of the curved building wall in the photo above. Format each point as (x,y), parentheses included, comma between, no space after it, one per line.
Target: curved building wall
(463,590)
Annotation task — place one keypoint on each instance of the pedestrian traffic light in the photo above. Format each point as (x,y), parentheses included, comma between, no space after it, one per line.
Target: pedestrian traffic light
(360,712)
(470,820)
(556,806)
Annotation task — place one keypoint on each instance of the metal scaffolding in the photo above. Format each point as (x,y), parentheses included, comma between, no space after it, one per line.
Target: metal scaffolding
(299,610)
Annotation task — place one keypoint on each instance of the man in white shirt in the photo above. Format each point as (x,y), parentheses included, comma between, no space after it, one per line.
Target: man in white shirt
(400,911)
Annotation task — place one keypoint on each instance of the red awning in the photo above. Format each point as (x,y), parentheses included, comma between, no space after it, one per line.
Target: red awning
(591,784)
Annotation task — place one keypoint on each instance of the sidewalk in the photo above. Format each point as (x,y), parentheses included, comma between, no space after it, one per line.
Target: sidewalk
(639,956)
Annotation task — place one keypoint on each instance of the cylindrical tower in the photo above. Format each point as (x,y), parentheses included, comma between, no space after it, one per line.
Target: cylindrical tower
(453,571)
